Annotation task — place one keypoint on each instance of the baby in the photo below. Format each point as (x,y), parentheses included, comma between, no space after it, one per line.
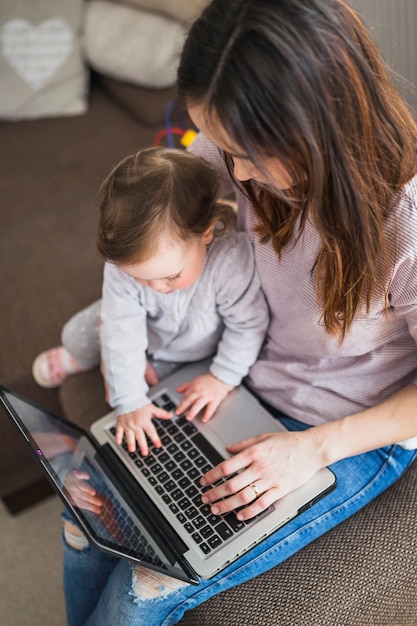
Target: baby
(179,285)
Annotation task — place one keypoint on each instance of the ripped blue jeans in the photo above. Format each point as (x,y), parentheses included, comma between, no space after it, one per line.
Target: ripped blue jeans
(101,590)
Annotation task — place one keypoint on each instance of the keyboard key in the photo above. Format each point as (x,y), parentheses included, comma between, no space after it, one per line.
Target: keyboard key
(191,491)
(206,531)
(205,548)
(213,519)
(177,474)
(184,482)
(233,522)
(176,494)
(214,542)
(191,512)
(184,503)
(170,406)
(189,429)
(207,449)
(199,522)
(224,530)
(172,448)
(170,465)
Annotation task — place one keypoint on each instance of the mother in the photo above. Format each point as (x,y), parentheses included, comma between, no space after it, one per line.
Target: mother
(302,123)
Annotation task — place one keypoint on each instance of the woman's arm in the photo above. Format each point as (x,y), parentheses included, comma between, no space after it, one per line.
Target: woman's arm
(391,421)
(280,462)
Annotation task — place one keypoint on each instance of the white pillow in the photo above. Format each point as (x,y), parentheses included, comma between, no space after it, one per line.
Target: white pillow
(42,72)
(182,10)
(132,45)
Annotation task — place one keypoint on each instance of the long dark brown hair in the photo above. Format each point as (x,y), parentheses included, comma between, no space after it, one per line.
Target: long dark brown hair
(302,81)
(154,192)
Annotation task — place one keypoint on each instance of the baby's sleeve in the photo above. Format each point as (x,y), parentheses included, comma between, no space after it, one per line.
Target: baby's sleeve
(243,309)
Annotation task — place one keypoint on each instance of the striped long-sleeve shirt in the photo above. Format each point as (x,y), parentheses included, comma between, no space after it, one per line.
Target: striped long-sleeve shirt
(302,369)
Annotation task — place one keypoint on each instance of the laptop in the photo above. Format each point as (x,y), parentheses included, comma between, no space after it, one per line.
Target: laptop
(151,510)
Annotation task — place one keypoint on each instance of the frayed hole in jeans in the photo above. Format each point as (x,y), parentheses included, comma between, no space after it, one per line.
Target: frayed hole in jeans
(74,537)
(150,585)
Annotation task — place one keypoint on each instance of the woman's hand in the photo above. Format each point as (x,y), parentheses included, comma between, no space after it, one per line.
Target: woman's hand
(273,463)
(138,425)
(204,391)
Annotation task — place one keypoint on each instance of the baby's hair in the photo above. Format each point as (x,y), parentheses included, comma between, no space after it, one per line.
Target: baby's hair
(158,192)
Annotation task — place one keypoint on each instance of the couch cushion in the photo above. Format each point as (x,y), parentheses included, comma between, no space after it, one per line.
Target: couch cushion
(42,72)
(131,44)
(182,10)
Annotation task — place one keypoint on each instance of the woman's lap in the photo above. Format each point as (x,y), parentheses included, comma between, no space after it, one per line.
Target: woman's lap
(122,598)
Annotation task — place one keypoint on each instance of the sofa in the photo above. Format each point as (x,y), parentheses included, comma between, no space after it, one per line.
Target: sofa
(363,572)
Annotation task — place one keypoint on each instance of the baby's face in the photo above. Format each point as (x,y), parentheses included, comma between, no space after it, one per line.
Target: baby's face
(174,266)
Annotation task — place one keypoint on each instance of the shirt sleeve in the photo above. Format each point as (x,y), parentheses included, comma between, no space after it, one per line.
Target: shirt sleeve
(123,339)
(243,309)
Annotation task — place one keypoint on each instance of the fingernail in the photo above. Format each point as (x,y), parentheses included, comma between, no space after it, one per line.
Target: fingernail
(203,482)
(204,499)
(215,510)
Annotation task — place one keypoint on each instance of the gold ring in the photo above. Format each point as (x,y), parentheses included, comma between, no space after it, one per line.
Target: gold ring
(255,490)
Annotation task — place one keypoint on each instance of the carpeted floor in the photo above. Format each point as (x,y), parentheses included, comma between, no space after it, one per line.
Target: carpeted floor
(31,566)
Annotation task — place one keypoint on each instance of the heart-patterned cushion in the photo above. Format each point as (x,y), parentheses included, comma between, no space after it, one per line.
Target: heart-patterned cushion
(36,52)
(42,72)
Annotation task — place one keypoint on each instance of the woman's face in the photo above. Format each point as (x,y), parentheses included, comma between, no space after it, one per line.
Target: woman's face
(273,172)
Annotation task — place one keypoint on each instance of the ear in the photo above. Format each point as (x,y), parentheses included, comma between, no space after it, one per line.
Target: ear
(208,235)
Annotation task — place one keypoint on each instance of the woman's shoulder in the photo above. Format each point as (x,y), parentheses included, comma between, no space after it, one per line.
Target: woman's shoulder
(402,221)
(409,193)
(203,147)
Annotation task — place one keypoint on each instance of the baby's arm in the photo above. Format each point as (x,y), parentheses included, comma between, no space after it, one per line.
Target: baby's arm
(123,336)
(137,425)
(204,391)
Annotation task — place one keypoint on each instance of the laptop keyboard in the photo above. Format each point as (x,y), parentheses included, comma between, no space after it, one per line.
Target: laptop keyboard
(115,524)
(174,472)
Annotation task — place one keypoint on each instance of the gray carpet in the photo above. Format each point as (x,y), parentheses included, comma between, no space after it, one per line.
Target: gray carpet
(31,566)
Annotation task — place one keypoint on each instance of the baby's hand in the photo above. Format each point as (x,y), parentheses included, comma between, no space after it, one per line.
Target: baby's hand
(135,426)
(204,391)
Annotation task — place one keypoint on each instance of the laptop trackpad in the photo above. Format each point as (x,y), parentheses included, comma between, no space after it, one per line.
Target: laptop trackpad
(239,417)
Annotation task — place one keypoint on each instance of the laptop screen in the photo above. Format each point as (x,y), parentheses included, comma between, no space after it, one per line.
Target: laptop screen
(77,471)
